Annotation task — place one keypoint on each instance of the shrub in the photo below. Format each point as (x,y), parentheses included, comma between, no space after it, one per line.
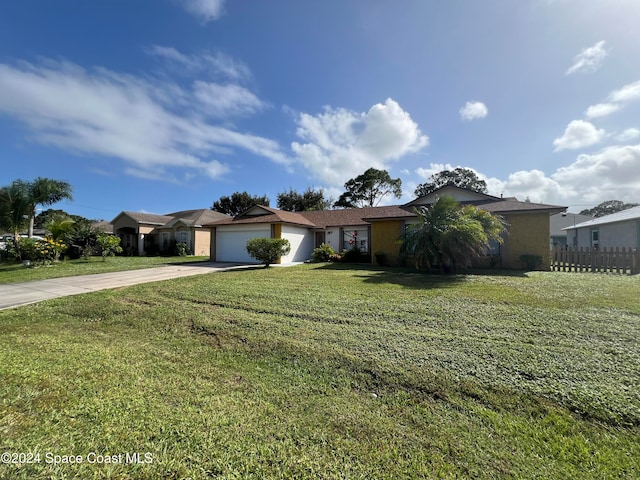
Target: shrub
(532,262)
(27,249)
(175,248)
(336,257)
(354,255)
(323,253)
(109,245)
(182,249)
(268,250)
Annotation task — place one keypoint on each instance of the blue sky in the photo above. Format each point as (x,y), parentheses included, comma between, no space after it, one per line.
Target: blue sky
(167,105)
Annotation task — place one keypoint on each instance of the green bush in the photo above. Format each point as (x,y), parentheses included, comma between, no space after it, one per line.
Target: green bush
(27,249)
(354,255)
(268,250)
(109,245)
(323,253)
(532,262)
(182,249)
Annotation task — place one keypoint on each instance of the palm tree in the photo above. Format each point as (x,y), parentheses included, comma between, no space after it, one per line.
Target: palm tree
(449,235)
(45,191)
(59,225)
(14,207)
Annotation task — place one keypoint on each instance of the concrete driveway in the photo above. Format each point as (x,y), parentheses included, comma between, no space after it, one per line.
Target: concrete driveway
(17,294)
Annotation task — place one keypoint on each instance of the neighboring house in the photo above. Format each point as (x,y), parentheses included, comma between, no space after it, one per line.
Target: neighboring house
(103,226)
(620,229)
(143,233)
(558,225)
(377,229)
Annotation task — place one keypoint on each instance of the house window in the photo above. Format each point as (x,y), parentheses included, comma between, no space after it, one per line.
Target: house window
(356,238)
(182,237)
(493,248)
(595,239)
(165,240)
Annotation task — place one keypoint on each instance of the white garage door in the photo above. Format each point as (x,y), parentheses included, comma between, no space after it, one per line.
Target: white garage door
(231,244)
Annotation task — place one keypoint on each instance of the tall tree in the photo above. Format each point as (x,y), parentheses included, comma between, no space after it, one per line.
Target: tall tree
(310,199)
(14,207)
(449,235)
(238,202)
(46,191)
(458,177)
(607,208)
(368,189)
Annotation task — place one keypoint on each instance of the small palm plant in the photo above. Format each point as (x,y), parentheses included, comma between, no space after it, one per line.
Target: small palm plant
(450,235)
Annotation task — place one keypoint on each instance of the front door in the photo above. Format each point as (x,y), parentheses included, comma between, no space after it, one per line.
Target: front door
(321,237)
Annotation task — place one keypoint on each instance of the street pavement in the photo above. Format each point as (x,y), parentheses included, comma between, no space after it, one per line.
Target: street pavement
(17,294)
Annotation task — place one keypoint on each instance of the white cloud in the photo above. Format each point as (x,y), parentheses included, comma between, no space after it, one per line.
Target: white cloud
(602,110)
(615,101)
(205,10)
(626,94)
(578,134)
(612,173)
(100,112)
(589,59)
(226,100)
(628,135)
(216,63)
(341,144)
(473,110)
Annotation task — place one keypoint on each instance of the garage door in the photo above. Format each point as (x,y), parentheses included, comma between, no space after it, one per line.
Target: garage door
(231,244)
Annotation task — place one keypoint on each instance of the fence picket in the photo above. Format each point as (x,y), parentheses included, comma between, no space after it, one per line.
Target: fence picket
(623,261)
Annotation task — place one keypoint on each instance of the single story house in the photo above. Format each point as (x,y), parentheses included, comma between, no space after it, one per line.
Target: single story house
(620,229)
(559,223)
(375,230)
(144,233)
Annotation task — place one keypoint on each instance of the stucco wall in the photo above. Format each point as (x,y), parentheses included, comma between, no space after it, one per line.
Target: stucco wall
(301,240)
(202,242)
(620,234)
(528,235)
(384,237)
(623,234)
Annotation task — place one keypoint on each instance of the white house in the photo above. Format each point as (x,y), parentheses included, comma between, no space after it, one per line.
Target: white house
(621,229)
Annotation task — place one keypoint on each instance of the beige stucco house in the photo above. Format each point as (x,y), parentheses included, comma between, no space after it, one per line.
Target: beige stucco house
(376,230)
(145,233)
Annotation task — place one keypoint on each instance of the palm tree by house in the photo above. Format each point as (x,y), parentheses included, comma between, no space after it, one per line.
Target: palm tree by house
(14,207)
(45,191)
(450,235)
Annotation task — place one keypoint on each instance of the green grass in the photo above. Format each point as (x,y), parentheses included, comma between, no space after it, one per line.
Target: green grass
(16,272)
(330,372)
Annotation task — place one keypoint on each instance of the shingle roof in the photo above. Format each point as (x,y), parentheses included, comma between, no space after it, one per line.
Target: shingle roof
(356,216)
(512,205)
(150,218)
(628,214)
(365,215)
(273,216)
(198,217)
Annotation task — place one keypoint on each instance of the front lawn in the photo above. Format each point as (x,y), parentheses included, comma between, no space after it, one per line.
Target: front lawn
(322,371)
(16,272)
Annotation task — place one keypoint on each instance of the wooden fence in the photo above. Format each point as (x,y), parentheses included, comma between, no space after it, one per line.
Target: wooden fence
(612,260)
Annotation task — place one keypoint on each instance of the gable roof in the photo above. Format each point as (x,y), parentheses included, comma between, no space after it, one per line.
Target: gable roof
(149,218)
(497,205)
(192,218)
(197,217)
(362,216)
(356,216)
(262,214)
(628,214)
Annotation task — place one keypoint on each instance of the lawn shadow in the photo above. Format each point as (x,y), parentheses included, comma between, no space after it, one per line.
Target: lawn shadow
(409,277)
